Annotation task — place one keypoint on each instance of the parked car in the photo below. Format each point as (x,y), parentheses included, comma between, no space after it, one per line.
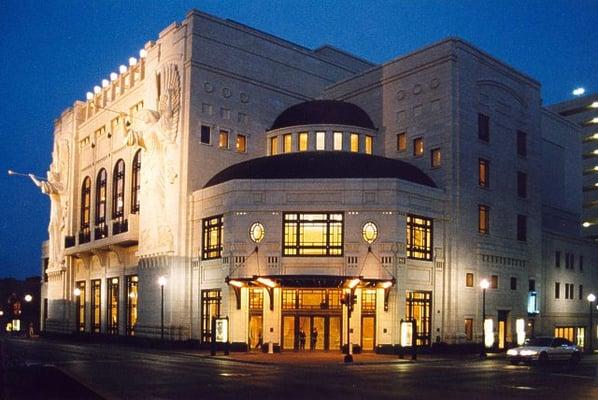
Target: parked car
(543,350)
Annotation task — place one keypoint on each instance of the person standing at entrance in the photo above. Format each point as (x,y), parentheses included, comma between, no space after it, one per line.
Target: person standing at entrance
(301,339)
(313,338)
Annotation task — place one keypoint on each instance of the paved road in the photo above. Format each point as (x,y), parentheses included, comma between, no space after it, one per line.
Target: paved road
(115,372)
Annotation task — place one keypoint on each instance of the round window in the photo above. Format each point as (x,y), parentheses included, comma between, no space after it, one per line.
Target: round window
(369,232)
(256,232)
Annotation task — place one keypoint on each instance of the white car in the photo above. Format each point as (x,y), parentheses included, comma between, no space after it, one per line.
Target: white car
(544,349)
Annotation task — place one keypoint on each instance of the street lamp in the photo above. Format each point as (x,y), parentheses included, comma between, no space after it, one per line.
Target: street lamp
(484,284)
(591,298)
(28,298)
(162,283)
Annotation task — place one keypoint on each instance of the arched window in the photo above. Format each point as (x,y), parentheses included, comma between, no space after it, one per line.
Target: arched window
(84,233)
(118,190)
(135,183)
(101,230)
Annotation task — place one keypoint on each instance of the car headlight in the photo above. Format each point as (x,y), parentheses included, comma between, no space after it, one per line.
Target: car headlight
(528,352)
(512,352)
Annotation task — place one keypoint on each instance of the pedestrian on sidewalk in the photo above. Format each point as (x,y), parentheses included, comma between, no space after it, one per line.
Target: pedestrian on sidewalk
(313,338)
(301,339)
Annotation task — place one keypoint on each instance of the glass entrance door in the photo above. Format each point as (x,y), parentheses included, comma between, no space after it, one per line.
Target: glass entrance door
(318,326)
(255,331)
(367,333)
(334,333)
(288,332)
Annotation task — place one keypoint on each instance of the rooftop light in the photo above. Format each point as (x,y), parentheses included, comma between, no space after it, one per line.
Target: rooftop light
(132,61)
(142,53)
(97,89)
(105,83)
(113,76)
(122,69)
(578,91)
(89,96)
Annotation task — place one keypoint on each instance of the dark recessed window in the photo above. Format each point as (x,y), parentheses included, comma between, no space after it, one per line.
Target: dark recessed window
(532,285)
(521,143)
(435,158)
(557,290)
(557,259)
(521,184)
(483,173)
(212,237)
(469,279)
(419,237)
(135,182)
(205,134)
(483,127)
(418,147)
(513,283)
(580,263)
(580,292)
(521,228)
(494,282)
(483,219)
(401,141)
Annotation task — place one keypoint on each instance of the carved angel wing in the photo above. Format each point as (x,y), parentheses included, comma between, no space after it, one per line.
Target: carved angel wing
(170,100)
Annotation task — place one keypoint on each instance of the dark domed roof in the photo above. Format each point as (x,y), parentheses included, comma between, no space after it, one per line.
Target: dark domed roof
(322,165)
(323,112)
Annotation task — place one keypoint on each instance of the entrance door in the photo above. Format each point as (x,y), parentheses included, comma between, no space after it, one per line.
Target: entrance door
(288,332)
(318,323)
(255,331)
(367,333)
(334,333)
(502,328)
(305,326)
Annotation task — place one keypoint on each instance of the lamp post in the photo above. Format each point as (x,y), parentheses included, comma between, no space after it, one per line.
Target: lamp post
(162,283)
(484,284)
(591,298)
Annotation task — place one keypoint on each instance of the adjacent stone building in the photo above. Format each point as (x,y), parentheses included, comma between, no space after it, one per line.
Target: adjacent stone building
(230,173)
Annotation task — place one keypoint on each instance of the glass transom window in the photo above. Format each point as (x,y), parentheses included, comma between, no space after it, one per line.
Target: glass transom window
(313,234)
(419,237)
(212,237)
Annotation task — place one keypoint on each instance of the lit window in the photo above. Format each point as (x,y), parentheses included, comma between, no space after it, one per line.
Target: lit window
(274,145)
(401,141)
(135,182)
(132,301)
(484,173)
(368,300)
(84,234)
(223,139)
(338,140)
(118,190)
(101,230)
(369,144)
(494,282)
(469,328)
(419,237)
(303,141)
(287,143)
(320,140)
(483,127)
(205,134)
(435,158)
(96,302)
(354,142)
(210,308)
(241,144)
(80,307)
(112,303)
(318,234)
(212,237)
(256,232)
(521,143)
(483,219)
(418,147)
(369,232)
(469,279)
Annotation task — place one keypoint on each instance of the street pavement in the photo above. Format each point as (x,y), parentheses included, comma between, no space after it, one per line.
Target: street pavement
(113,371)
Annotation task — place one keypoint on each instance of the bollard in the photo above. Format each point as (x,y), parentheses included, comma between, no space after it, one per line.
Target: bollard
(270,348)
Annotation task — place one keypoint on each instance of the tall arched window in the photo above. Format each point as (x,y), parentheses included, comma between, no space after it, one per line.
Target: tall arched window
(118,190)
(84,233)
(101,230)
(135,183)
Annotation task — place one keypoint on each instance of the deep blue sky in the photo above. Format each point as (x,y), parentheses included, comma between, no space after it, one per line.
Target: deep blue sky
(52,52)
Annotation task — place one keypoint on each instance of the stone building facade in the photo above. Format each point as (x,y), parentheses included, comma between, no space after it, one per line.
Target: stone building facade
(264,181)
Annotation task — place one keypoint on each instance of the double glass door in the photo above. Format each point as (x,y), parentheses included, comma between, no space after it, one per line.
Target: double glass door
(311,332)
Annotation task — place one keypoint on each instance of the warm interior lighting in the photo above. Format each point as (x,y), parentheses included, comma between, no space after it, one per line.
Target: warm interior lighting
(142,53)
(162,281)
(353,282)
(267,282)
(591,298)
(484,284)
(132,61)
(488,333)
(579,91)
(236,283)
(386,284)
(520,329)
(77,292)
(122,69)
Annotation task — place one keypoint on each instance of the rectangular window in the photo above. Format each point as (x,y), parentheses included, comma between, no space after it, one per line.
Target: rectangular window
(256,299)
(354,142)
(368,300)
(132,299)
(435,158)
(418,147)
(572,261)
(338,140)
(241,144)
(521,184)
(313,234)
(521,143)
(580,263)
(469,328)
(303,141)
(484,219)
(135,109)
(112,300)
(494,282)
(483,127)
(205,134)
(531,285)
(114,125)
(401,141)
(274,145)
(320,140)
(484,173)
(81,298)
(513,283)
(419,237)
(557,290)
(210,308)
(469,279)
(580,292)
(418,307)
(96,302)
(223,139)
(212,237)
(369,144)
(287,143)
(521,227)
(557,259)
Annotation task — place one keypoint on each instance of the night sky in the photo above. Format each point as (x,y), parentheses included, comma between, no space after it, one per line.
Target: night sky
(53,52)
